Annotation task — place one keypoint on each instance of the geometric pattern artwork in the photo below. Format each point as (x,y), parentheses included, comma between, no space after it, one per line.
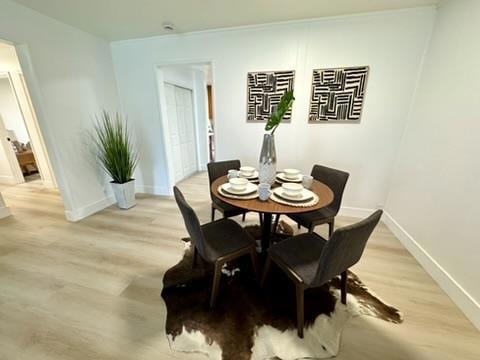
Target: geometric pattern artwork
(337,94)
(264,91)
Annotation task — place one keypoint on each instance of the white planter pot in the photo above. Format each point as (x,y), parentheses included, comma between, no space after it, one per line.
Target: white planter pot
(124,194)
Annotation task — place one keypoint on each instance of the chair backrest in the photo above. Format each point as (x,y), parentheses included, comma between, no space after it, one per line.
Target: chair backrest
(191,223)
(335,180)
(220,168)
(345,248)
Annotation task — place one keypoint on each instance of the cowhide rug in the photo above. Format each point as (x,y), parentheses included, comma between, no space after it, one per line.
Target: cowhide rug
(253,323)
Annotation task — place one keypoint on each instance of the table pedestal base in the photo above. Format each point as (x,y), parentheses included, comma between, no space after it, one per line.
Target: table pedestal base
(266,231)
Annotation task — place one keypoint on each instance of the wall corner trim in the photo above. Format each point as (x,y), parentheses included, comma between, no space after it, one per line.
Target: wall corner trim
(467,304)
(83,212)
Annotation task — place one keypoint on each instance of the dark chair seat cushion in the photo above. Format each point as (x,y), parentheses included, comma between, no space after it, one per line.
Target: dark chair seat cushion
(225,236)
(301,253)
(314,217)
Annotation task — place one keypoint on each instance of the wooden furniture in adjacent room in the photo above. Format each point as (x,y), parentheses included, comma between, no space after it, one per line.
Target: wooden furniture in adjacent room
(26,160)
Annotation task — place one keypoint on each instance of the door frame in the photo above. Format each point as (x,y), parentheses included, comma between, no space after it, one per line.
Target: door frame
(161,94)
(17,174)
(36,139)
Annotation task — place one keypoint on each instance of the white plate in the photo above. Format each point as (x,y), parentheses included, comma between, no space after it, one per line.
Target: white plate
(305,195)
(250,189)
(282,177)
(303,204)
(254,176)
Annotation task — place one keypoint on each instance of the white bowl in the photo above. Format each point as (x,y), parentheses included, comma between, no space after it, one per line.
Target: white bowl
(238,184)
(291,173)
(247,171)
(292,189)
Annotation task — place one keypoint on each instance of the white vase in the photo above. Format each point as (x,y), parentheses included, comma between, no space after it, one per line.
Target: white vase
(124,194)
(267,168)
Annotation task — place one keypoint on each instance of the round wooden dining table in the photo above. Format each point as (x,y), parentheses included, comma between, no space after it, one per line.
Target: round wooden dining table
(269,208)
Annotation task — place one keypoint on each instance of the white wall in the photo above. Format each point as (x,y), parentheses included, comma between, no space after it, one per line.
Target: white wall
(391,43)
(435,195)
(69,74)
(10,112)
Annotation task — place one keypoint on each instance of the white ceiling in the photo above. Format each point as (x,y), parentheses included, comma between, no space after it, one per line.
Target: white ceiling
(126,19)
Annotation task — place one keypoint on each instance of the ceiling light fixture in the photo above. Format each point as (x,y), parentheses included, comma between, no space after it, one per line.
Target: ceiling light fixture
(168,26)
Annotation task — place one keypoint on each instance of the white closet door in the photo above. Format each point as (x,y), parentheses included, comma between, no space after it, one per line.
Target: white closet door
(182,131)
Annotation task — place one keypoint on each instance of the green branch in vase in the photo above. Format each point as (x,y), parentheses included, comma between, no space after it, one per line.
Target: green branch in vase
(283,107)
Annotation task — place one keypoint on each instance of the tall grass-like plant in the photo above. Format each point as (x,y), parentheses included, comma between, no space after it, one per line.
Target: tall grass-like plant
(115,152)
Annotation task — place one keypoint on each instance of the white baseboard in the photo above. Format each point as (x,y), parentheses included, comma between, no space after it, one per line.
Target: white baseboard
(466,303)
(79,214)
(83,212)
(154,190)
(8,180)
(4,212)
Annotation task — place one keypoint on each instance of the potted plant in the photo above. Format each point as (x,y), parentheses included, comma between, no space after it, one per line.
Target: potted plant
(268,158)
(116,156)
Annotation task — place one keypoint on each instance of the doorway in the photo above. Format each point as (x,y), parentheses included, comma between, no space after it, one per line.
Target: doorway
(186,104)
(23,156)
(181,124)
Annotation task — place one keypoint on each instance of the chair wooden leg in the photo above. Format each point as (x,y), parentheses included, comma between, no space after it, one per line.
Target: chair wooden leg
(216,283)
(300,309)
(243,217)
(343,287)
(254,258)
(331,228)
(261,219)
(266,270)
(275,224)
(310,229)
(299,226)
(213,214)
(195,255)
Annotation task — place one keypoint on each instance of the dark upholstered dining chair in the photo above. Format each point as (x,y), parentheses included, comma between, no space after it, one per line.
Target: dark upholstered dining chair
(217,242)
(216,170)
(335,180)
(311,261)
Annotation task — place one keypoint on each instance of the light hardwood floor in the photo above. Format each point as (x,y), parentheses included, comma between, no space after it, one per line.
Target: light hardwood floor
(90,290)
